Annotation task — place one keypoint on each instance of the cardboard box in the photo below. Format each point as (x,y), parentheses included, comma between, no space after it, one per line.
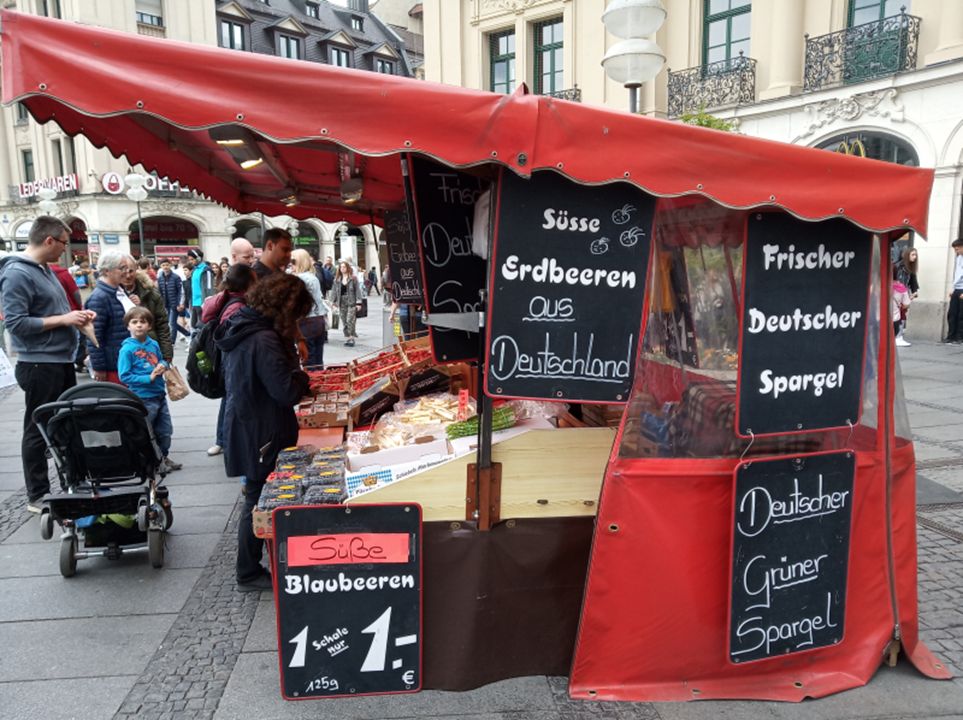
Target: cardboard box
(423,449)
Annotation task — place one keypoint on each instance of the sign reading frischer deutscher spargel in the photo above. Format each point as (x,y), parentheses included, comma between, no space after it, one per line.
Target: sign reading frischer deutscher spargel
(567,288)
(804,323)
(348,599)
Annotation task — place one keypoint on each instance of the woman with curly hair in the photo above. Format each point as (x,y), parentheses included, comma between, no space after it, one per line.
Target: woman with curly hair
(264,381)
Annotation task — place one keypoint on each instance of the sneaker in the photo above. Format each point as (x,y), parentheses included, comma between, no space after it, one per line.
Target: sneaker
(901,342)
(170,465)
(261,582)
(35,506)
(214,450)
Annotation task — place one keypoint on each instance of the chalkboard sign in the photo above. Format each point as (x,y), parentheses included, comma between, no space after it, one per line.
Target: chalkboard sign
(790,554)
(803,330)
(452,275)
(567,284)
(403,263)
(348,595)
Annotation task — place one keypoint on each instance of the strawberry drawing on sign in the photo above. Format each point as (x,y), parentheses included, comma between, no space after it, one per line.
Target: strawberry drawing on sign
(623,214)
(599,246)
(631,236)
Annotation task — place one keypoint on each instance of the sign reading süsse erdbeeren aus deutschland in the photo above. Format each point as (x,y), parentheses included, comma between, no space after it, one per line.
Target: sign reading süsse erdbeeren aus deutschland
(568,283)
(803,324)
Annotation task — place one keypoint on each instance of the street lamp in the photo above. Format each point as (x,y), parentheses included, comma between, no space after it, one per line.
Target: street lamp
(635,59)
(136,192)
(47,205)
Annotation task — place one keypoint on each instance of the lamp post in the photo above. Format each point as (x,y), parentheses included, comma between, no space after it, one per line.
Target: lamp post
(635,59)
(136,192)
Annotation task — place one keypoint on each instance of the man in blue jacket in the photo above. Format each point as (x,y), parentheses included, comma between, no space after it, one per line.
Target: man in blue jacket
(202,286)
(171,289)
(43,331)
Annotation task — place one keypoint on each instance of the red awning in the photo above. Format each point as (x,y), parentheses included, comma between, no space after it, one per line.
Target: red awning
(158,102)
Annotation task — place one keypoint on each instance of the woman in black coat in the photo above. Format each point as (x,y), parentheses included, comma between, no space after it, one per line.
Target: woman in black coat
(264,382)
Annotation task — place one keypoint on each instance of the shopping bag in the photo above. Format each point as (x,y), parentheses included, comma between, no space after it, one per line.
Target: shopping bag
(176,387)
(335,320)
(363,308)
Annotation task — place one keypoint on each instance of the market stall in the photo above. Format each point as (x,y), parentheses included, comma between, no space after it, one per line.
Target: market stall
(722,299)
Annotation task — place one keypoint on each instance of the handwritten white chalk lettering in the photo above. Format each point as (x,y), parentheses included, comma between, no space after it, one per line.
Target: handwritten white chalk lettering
(402,253)
(547,270)
(799,632)
(507,360)
(760,579)
(550,310)
(560,220)
(442,302)
(825,319)
(820,258)
(758,508)
(440,247)
(452,191)
(816,382)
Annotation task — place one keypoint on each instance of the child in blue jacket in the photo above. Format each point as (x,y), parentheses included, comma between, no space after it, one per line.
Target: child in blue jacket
(141,368)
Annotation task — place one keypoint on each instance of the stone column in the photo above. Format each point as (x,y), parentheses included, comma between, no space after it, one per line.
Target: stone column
(786,49)
(950,39)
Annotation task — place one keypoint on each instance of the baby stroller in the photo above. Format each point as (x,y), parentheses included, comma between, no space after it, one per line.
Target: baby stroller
(107,460)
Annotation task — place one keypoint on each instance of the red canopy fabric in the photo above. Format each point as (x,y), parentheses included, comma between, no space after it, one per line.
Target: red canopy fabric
(154,101)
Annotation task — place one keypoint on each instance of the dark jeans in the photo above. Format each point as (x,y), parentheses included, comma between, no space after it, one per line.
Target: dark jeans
(159,417)
(172,316)
(41,383)
(196,320)
(955,316)
(249,546)
(80,356)
(316,350)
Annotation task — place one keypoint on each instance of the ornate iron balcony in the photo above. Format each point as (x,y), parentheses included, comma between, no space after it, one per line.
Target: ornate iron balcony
(862,52)
(719,84)
(574,94)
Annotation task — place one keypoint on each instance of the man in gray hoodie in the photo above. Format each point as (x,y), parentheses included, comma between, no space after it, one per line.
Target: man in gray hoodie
(43,333)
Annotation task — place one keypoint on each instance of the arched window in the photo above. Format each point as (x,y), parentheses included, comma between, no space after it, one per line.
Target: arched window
(874,145)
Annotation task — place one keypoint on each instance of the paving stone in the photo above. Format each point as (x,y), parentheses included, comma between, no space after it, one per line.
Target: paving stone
(99,697)
(37,649)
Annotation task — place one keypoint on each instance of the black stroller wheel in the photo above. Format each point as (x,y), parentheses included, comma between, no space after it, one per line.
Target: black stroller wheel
(46,525)
(68,556)
(155,547)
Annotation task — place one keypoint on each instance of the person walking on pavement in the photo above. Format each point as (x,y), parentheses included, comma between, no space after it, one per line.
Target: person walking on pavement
(277,253)
(142,291)
(43,332)
(242,252)
(373,281)
(110,301)
(345,297)
(66,279)
(171,289)
(954,315)
(313,329)
(219,308)
(264,381)
(202,286)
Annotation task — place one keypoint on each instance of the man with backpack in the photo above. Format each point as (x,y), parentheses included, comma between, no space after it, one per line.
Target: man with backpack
(216,310)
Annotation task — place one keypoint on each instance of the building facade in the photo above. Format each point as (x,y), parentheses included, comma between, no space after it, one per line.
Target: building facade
(877,78)
(89,183)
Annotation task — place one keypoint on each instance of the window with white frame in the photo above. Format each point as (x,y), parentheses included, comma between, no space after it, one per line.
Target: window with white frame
(289,47)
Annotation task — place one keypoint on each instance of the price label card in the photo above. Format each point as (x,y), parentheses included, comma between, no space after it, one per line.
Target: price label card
(348,596)
(790,554)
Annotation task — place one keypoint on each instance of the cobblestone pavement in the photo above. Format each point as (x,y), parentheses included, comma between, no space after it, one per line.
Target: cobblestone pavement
(188,673)
(940,539)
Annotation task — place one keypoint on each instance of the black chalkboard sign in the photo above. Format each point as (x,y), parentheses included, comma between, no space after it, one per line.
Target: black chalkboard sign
(567,284)
(790,553)
(348,599)
(452,275)
(803,324)
(403,263)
